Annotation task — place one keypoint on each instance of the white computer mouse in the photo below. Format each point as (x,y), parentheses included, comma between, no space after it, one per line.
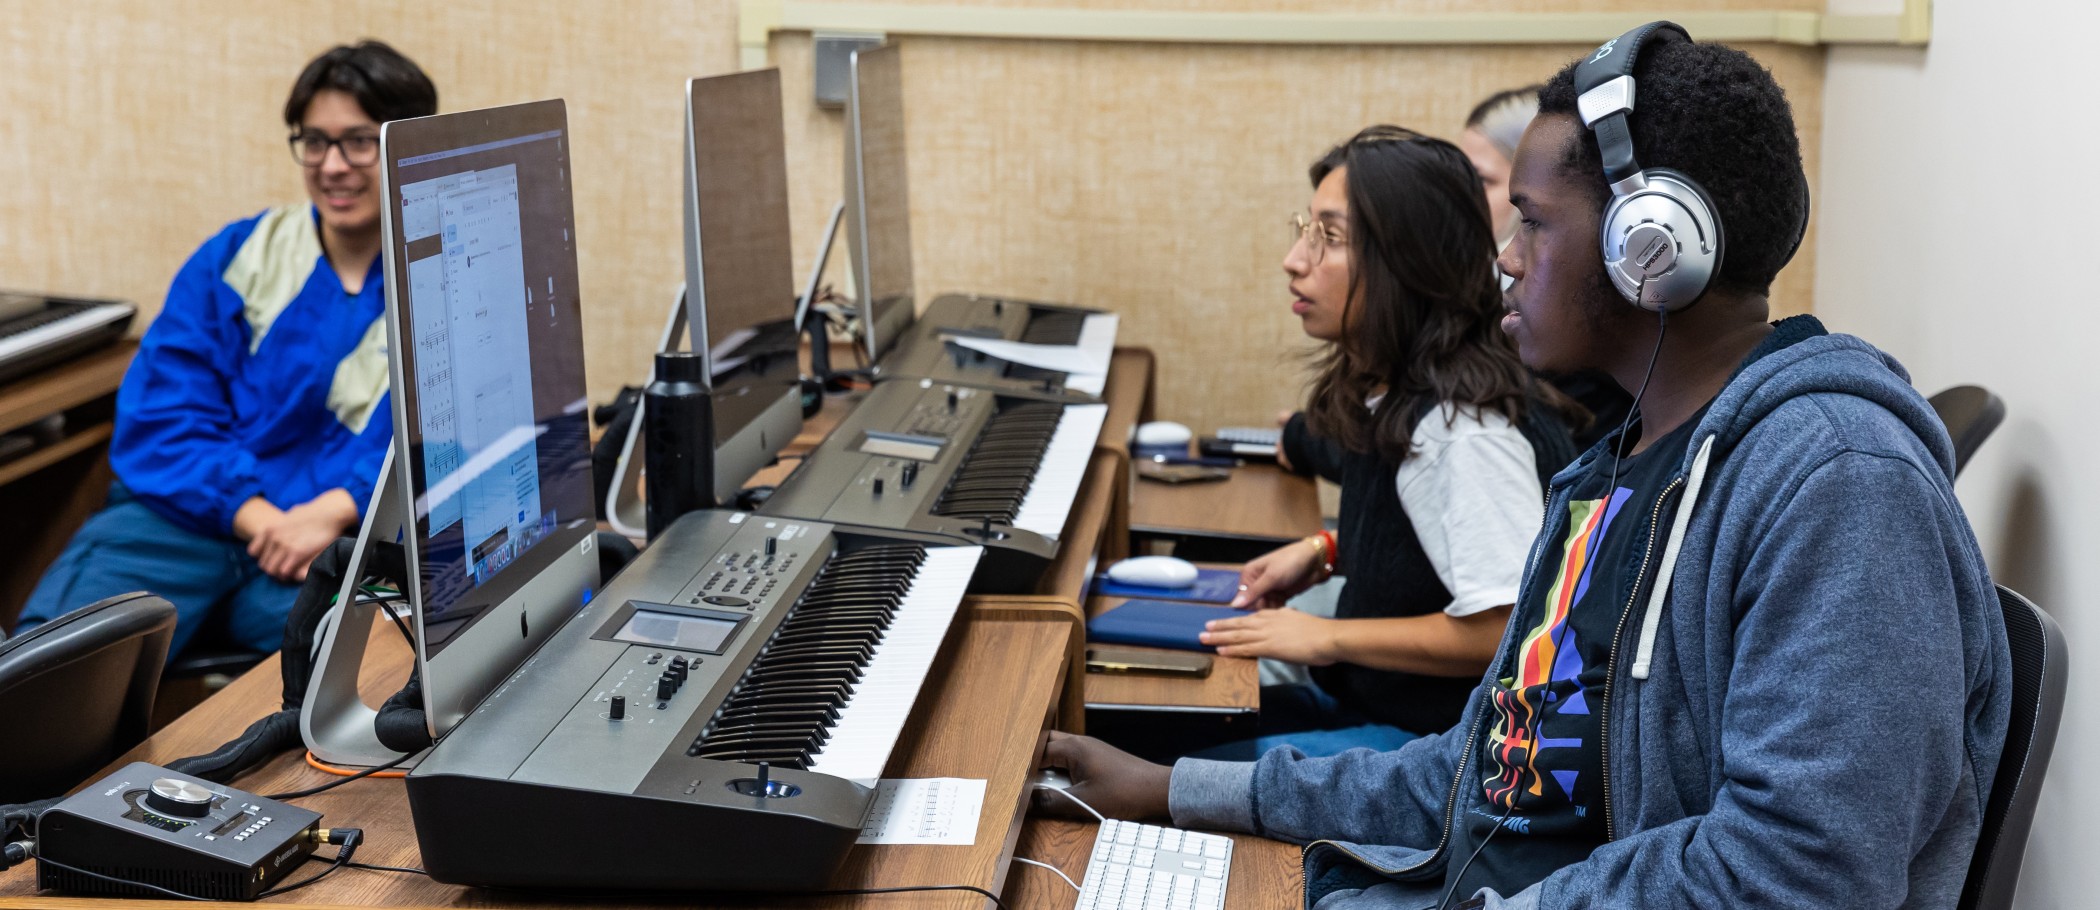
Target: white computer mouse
(1154,572)
(1162,433)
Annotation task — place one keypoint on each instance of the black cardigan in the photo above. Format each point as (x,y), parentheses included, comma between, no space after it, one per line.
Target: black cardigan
(1388,573)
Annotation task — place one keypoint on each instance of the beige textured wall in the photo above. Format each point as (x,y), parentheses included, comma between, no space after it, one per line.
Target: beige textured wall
(130,130)
(1150,178)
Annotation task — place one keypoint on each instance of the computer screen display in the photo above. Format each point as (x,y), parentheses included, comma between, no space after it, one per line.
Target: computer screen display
(492,427)
(739,254)
(878,216)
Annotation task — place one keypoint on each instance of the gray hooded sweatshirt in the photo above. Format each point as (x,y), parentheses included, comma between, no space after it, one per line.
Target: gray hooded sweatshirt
(1807,699)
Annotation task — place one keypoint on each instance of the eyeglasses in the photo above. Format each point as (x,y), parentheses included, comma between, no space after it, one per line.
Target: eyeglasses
(310,148)
(1316,235)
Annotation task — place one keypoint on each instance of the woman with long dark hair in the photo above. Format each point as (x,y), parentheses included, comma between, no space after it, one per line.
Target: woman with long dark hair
(1440,438)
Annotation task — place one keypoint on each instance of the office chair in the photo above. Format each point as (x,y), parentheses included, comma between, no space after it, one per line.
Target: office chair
(77,692)
(210,654)
(1970,413)
(2041,670)
(614,553)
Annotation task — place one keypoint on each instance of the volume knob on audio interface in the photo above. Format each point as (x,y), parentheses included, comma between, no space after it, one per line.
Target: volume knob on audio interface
(179,797)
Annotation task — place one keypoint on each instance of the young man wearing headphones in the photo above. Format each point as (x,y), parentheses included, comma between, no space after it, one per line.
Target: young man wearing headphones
(1756,659)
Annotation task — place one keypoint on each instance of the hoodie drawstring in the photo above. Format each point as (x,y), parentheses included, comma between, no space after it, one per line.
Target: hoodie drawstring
(1652,619)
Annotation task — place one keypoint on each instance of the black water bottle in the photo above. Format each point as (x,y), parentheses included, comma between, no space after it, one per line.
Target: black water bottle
(678,423)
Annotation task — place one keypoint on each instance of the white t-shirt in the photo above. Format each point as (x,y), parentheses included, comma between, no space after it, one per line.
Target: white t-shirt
(1471,490)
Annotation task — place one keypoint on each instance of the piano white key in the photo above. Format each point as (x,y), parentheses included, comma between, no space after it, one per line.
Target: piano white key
(1057,478)
(873,718)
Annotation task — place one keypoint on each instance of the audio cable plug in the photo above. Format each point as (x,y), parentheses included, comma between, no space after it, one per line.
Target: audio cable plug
(347,837)
(16,853)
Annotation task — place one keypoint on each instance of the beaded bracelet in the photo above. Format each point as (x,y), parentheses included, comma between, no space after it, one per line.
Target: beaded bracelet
(1322,544)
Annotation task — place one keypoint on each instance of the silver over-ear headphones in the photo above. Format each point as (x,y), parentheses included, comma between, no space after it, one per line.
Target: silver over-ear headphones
(1661,234)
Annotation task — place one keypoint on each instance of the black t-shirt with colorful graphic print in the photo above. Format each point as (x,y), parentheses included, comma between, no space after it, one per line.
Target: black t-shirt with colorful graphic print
(1549,796)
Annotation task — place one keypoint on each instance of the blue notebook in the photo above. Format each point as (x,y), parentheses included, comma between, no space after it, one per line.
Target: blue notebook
(1156,624)
(1212,586)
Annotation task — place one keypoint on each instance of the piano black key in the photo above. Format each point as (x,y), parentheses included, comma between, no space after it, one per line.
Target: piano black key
(807,731)
(817,669)
(858,653)
(831,692)
(792,695)
(800,709)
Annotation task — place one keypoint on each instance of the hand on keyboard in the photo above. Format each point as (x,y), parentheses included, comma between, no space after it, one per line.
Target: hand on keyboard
(1114,782)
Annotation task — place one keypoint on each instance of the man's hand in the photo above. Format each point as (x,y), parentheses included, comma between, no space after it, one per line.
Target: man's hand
(286,547)
(254,515)
(1286,634)
(1116,783)
(1278,576)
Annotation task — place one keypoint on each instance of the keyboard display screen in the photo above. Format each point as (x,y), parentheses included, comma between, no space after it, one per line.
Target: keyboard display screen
(672,630)
(897,445)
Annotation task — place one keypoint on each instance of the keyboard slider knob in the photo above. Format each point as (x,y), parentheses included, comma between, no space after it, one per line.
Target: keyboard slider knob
(619,708)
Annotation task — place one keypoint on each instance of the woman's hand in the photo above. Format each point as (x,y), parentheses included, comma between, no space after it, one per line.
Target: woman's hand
(1278,576)
(1116,783)
(1288,635)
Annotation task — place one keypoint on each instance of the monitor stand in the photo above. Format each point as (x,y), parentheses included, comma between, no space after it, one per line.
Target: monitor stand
(764,424)
(336,723)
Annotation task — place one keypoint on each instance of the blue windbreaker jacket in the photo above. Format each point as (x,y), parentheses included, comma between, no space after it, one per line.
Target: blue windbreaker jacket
(261,376)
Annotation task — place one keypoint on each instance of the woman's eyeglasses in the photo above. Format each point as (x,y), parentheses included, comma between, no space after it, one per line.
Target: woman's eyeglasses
(1316,235)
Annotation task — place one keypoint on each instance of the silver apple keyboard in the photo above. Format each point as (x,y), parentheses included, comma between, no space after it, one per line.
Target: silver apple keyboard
(1147,867)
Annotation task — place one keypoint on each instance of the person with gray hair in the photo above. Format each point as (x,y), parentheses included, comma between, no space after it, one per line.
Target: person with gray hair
(1490,142)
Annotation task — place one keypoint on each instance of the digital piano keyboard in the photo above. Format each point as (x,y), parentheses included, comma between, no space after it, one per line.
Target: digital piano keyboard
(716,718)
(966,464)
(922,353)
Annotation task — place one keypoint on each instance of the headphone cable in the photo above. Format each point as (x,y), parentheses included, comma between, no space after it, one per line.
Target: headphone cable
(1662,325)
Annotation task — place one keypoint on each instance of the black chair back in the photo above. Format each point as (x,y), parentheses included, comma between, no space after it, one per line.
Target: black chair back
(1970,414)
(2041,671)
(77,692)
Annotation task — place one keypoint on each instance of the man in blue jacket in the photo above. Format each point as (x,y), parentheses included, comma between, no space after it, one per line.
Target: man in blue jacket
(251,425)
(1756,659)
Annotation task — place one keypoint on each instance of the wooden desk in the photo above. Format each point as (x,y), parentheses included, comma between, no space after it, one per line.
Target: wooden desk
(981,714)
(47,493)
(1162,717)
(1131,377)
(1232,687)
(1266,874)
(1259,507)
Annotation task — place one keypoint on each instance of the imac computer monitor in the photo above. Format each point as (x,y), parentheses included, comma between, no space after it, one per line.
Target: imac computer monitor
(878,214)
(739,268)
(490,430)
